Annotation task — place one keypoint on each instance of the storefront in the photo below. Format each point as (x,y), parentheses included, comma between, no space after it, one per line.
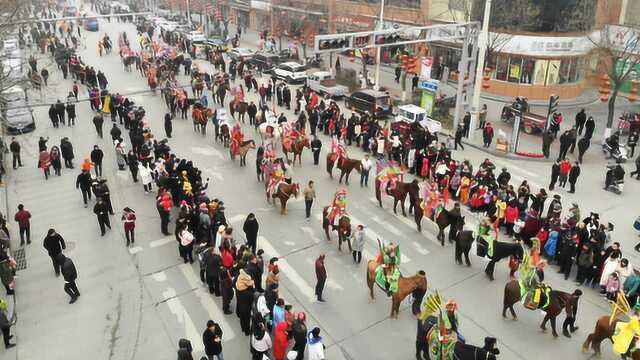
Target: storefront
(260,15)
(536,67)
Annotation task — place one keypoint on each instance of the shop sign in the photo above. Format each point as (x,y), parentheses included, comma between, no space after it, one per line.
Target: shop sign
(429,85)
(260,5)
(355,21)
(544,45)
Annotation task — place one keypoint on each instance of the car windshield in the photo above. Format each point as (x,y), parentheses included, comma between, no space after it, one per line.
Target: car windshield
(383,101)
(419,117)
(297,68)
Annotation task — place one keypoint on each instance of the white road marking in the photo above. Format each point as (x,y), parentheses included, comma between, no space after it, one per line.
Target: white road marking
(419,248)
(207,151)
(332,284)
(289,243)
(207,300)
(309,232)
(237,218)
(214,174)
(161,242)
(135,250)
(190,330)
(290,273)
(159,276)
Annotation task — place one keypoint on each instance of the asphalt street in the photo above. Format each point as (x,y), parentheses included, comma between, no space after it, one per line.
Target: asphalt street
(136,303)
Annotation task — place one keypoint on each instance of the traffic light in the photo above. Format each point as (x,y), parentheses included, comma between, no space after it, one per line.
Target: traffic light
(404,61)
(334,44)
(554,101)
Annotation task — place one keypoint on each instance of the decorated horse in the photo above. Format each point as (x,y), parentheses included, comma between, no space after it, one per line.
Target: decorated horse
(442,217)
(537,296)
(283,192)
(338,157)
(269,129)
(293,141)
(335,217)
(622,328)
(238,107)
(406,285)
(152,78)
(238,146)
(200,116)
(388,181)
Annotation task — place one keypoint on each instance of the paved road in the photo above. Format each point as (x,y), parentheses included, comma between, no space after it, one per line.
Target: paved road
(137,302)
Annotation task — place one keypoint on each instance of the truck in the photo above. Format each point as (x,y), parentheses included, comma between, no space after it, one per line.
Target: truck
(409,114)
(323,82)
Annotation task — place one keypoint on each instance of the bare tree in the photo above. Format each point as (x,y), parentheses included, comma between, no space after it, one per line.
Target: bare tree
(618,50)
(10,61)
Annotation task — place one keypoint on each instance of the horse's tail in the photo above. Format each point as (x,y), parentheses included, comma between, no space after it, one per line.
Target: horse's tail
(329,164)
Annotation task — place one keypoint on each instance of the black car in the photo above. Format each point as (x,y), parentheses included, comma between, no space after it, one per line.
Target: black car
(265,61)
(375,102)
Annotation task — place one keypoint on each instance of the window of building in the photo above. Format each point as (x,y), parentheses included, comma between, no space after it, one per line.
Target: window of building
(553,72)
(515,69)
(412,4)
(528,66)
(502,67)
(540,72)
(632,14)
(565,67)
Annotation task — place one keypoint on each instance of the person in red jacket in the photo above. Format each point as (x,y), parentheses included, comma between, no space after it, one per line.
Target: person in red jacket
(24,224)
(510,216)
(129,222)
(280,342)
(565,167)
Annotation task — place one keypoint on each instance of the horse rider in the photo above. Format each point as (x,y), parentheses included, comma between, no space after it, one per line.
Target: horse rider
(389,260)
(338,207)
(450,322)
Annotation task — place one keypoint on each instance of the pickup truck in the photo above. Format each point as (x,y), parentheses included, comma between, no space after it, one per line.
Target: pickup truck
(323,82)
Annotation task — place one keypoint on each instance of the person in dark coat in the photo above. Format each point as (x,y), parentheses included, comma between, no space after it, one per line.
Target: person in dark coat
(547,140)
(250,229)
(422,347)
(96,158)
(70,275)
(53,116)
(115,132)
(555,173)
(286,97)
(581,119)
(102,213)
(168,125)
(226,287)
(212,340)
(321,277)
(71,113)
(583,146)
(98,120)
(565,143)
(54,244)
(589,127)
(299,334)
(573,176)
(66,148)
(60,110)
(213,264)
(83,182)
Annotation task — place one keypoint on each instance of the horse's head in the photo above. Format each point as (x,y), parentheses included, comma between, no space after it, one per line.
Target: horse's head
(305,142)
(252,144)
(295,190)
(419,280)
(344,226)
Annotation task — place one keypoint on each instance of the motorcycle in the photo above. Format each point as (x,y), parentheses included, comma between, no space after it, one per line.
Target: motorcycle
(520,105)
(616,187)
(619,155)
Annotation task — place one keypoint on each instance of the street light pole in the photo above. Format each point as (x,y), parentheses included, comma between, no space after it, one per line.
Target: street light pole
(377,73)
(188,12)
(482,50)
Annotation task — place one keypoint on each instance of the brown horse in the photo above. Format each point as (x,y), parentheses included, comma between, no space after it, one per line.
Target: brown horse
(559,301)
(406,285)
(283,192)
(444,219)
(343,228)
(345,165)
(223,135)
(399,194)
(240,108)
(296,148)
(243,149)
(603,330)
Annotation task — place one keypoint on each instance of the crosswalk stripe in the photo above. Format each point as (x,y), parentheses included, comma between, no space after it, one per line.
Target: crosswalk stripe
(207,301)
(160,242)
(176,307)
(290,273)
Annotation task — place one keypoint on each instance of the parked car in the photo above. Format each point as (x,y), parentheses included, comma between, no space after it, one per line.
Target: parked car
(265,61)
(376,103)
(414,114)
(239,54)
(169,26)
(291,72)
(196,37)
(91,25)
(17,117)
(323,82)
(217,44)
(70,11)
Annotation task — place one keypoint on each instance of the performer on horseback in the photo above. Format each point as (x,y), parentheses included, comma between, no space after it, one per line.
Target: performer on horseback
(388,272)
(389,174)
(432,201)
(338,207)
(237,138)
(275,175)
(339,151)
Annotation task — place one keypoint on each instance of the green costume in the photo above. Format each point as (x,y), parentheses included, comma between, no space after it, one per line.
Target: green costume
(484,233)
(388,280)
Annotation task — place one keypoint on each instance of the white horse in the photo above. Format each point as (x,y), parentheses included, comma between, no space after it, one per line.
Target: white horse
(271,123)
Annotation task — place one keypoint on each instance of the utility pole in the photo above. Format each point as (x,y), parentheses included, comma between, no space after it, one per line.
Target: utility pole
(381,26)
(482,50)
(188,12)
